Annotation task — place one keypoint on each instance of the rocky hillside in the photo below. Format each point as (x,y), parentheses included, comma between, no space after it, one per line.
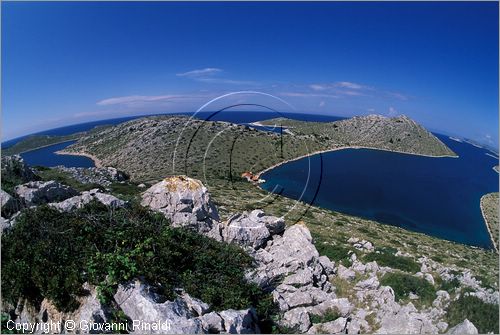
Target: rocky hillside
(169,254)
(373,131)
(153,147)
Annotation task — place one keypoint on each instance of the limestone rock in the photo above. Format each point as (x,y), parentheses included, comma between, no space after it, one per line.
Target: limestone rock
(240,322)
(139,301)
(345,273)
(4,224)
(39,192)
(90,311)
(371,283)
(79,201)
(14,166)
(104,176)
(183,200)
(288,253)
(333,327)
(297,320)
(466,327)
(8,204)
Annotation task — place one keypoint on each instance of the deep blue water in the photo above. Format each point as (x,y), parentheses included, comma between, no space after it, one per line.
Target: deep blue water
(46,157)
(436,196)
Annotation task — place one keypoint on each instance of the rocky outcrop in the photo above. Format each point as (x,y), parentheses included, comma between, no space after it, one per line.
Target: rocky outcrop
(104,176)
(252,229)
(185,314)
(86,197)
(466,327)
(40,192)
(90,313)
(289,266)
(13,167)
(9,205)
(186,202)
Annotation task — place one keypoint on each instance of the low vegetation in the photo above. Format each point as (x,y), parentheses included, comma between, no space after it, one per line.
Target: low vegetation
(483,315)
(387,258)
(329,315)
(107,248)
(47,174)
(404,284)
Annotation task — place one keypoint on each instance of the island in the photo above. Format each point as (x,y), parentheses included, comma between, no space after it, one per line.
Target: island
(489,209)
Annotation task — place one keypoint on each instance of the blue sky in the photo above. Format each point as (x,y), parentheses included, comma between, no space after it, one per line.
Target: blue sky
(66,63)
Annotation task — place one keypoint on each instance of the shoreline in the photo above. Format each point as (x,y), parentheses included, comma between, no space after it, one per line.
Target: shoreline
(44,146)
(348,147)
(487,224)
(97,161)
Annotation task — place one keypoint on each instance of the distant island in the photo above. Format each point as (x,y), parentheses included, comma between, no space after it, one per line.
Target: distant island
(489,208)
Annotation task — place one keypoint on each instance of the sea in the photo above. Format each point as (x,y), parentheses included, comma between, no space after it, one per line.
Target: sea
(435,196)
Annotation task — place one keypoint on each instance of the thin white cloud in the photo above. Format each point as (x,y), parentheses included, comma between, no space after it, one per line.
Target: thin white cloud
(348,84)
(308,95)
(339,85)
(392,111)
(209,75)
(398,95)
(228,81)
(131,99)
(348,88)
(209,71)
(322,103)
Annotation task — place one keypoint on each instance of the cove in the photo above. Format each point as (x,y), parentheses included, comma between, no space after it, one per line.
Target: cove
(435,196)
(46,157)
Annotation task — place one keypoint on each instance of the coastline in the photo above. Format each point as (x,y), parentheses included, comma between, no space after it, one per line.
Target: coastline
(44,146)
(97,161)
(487,224)
(348,147)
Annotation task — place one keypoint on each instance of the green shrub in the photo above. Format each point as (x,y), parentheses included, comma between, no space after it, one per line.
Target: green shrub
(449,285)
(484,316)
(329,315)
(51,254)
(391,260)
(404,284)
(336,253)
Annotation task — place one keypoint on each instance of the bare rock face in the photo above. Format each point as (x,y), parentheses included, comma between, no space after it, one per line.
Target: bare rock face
(466,327)
(185,201)
(252,229)
(90,312)
(292,262)
(9,205)
(39,192)
(185,314)
(79,201)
